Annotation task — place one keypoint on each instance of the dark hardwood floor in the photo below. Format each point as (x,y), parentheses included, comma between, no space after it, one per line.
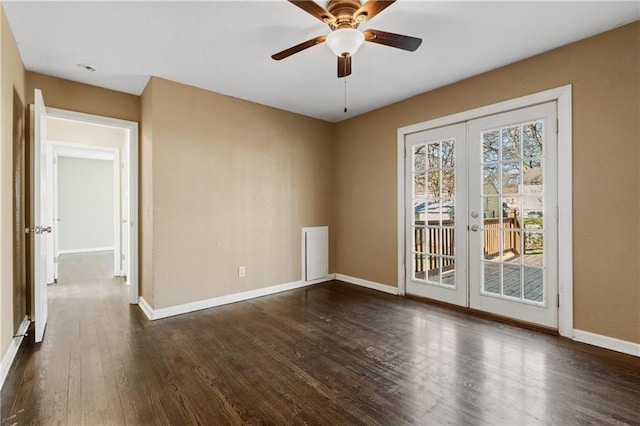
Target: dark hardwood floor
(328,354)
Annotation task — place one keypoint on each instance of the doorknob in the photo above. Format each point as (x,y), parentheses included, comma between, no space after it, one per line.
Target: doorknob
(475,228)
(44,229)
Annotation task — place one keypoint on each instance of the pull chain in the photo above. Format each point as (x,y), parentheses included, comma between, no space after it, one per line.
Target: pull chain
(345,94)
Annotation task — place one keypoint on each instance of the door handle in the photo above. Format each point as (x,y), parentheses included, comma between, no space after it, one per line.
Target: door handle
(475,228)
(37,230)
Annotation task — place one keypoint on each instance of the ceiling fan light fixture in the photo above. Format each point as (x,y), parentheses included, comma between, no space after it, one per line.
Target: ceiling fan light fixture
(345,42)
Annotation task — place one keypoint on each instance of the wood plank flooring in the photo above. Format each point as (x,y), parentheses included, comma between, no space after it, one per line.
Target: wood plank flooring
(327,354)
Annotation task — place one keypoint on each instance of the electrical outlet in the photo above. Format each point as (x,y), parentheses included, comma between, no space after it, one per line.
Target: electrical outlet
(242,271)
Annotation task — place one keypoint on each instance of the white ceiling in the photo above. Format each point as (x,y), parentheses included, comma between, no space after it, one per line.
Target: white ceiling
(225,46)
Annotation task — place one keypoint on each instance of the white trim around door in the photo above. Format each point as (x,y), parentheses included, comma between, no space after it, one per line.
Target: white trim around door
(561,95)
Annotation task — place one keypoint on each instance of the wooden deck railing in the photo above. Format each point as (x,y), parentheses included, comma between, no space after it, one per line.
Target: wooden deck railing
(492,236)
(433,245)
(427,241)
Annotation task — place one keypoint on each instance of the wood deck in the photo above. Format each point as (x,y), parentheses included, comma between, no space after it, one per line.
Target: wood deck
(533,288)
(532,283)
(327,354)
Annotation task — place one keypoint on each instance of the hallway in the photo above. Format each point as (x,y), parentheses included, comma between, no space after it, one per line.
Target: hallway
(72,376)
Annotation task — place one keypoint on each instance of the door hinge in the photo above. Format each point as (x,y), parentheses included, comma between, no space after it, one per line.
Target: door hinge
(557,125)
(558,300)
(123,257)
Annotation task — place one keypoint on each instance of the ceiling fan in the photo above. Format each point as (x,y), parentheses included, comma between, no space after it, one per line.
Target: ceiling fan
(343,17)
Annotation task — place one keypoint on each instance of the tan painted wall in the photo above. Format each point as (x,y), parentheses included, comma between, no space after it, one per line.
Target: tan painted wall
(59,130)
(234,182)
(72,96)
(605,74)
(11,77)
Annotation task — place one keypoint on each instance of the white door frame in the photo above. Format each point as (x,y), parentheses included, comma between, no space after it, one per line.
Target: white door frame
(132,128)
(561,95)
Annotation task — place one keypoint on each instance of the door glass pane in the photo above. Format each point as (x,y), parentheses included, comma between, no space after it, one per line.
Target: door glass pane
(511,177)
(434,269)
(433,185)
(491,241)
(419,239)
(491,275)
(434,240)
(511,249)
(419,267)
(532,175)
(434,156)
(491,146)
(532,137)
(448,183)
(419,185)
(491,179)
(448,271)
(511,143)
(448,154)
(533,248)
(532,211)
(533,284)
(419,158)
(491,207)
(511,281)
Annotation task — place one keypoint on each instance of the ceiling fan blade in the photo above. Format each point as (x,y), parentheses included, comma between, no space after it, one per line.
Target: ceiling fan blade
(394,40)
(371,9)
(298,48)
(344,66)
(315,10)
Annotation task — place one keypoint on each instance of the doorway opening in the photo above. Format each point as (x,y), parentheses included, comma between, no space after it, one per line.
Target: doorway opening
(84,196)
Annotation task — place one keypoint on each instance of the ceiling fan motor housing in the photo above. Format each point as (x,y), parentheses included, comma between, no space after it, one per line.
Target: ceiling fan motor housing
(344,11)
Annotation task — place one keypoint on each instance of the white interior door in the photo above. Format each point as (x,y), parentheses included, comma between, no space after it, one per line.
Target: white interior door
(435,214)
(513,203)
(41,224)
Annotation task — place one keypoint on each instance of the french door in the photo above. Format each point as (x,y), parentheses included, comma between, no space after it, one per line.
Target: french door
(436,212)
(481,222)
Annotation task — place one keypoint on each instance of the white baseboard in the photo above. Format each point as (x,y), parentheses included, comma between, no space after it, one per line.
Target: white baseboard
(145,307)
(85,250)
(607,342)
(12,351)
(368,284)
(154,314)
